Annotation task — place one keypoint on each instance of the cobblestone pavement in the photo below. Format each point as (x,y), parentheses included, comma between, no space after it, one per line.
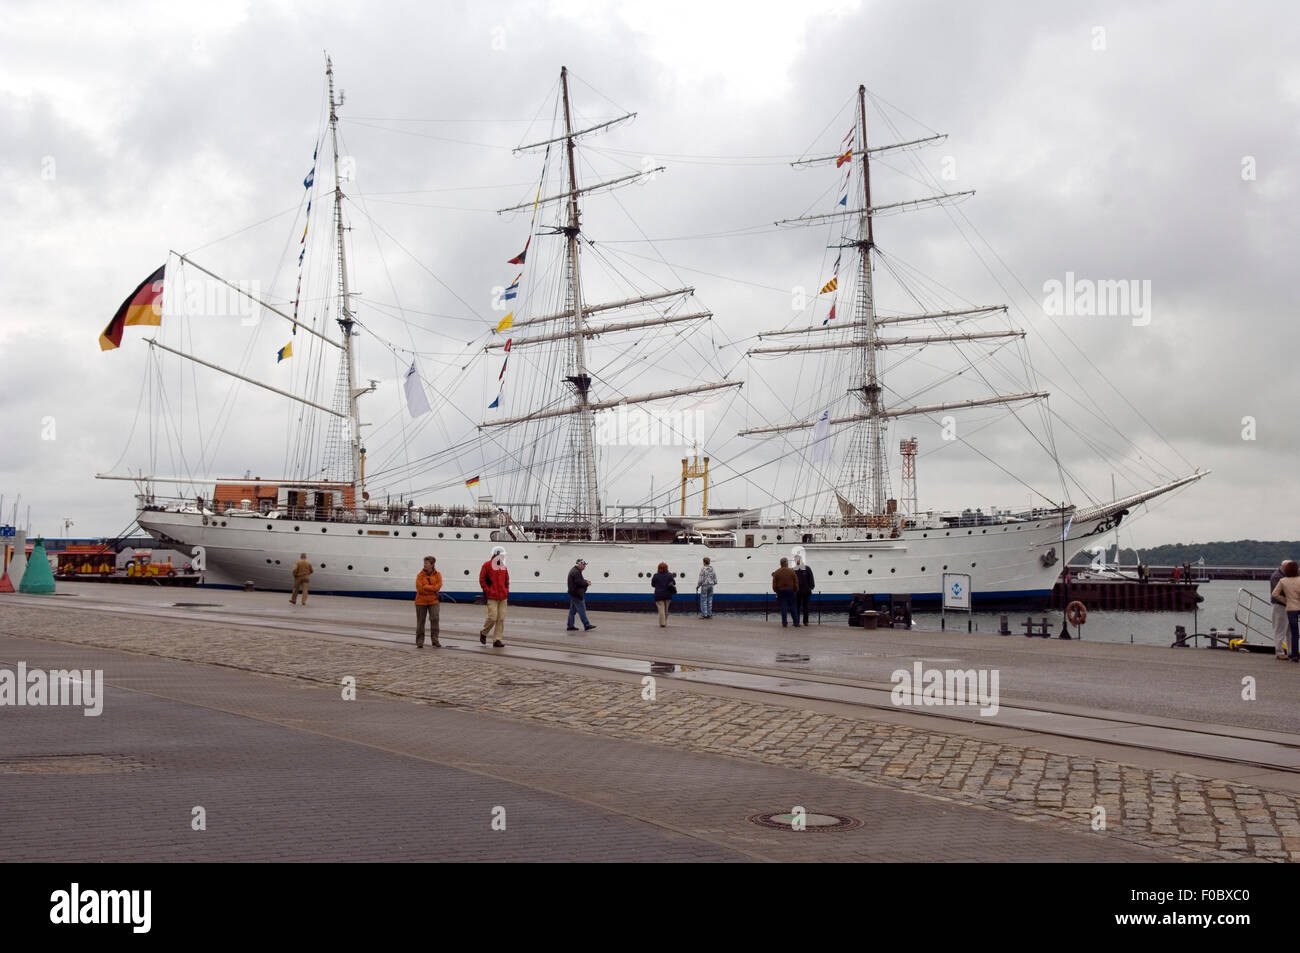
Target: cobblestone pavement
(1180,814)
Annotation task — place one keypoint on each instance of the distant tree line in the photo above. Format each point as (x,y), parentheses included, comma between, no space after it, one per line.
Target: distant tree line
(1241,552)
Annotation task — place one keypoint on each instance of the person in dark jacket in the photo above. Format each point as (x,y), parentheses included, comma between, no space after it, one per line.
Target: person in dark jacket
(804,574)
(578,586)
(665,587)
(786,584)
(494,580)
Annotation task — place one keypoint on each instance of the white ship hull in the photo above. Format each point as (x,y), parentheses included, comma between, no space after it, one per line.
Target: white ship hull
(1006,561)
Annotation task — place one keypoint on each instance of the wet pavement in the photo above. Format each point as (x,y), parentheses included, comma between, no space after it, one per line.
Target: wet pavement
(1163,804)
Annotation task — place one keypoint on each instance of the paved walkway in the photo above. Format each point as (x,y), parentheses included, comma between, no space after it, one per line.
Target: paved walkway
(903,778)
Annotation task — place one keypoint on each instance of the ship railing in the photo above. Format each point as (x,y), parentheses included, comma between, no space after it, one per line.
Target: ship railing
(1255,614)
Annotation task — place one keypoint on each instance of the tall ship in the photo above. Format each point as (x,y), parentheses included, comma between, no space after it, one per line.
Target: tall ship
(560,351)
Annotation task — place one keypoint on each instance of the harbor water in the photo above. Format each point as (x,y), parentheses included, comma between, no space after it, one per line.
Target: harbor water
(1145,628)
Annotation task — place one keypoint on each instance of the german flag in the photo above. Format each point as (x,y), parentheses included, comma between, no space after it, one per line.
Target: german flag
(473,481)
(143,306)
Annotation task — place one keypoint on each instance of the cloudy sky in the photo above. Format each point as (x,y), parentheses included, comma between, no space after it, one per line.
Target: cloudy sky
(1145,142)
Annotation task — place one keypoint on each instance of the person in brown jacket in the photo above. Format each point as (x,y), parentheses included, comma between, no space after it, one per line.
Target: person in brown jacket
(1288,590)
(301,573)
(427,586)
(786,586)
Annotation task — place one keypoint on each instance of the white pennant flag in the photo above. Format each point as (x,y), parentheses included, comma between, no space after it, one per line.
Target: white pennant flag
(416,401)
(821,437)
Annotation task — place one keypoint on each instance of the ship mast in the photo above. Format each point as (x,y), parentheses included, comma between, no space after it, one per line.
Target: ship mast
(865,312)
(345,310)
(580,380)
(577,327)
(863,474)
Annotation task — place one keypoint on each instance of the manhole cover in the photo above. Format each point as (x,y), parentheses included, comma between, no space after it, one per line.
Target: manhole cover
(792,657)
(662,668)
(811,821)
(70,764)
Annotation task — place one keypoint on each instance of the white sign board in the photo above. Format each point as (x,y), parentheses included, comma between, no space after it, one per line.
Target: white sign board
(956,590)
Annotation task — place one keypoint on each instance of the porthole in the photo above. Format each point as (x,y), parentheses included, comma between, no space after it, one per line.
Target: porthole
(295,529)
(536,573)
(778,539)
(606,575)
(277,562)
(475,535)
(972,565)
(740,575)
(322,565)
(868,572)
(223,522)
(764,537)
(525,555)
(946,533)
(324,530)
(268,562)
(412,532)
(682,575)
(349,567)
(892,569)
(440,535)
(846,572)
(640,575)
(268,525)
(385,569)
(922,569)
(969,531)
(924,535)
(868,555)
(983,531)
(830,572)
(458,535)
(838,538)
(358,532)
(467,572)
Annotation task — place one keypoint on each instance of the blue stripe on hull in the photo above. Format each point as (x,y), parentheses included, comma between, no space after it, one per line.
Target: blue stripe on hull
(924,601)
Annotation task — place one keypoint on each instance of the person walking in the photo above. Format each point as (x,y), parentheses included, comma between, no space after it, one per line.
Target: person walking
(428,584)
(1288,589)
(786,584)
(494,580)
(301,574)
(665,588)
(578,586)
(708,579)
(804,574)
(1279,615)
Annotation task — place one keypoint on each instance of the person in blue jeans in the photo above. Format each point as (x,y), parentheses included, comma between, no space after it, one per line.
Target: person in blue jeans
(578,586)
(708,579)
(786,585)
(1288,590)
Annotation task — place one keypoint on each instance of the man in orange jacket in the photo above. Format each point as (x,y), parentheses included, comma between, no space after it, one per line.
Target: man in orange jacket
(427,586)
(494,580)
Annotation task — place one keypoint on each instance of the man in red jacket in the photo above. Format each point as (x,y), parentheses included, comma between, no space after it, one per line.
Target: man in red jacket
(494,580)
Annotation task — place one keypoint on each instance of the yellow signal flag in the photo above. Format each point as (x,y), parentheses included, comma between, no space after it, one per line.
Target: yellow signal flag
(830,286)
(507,323)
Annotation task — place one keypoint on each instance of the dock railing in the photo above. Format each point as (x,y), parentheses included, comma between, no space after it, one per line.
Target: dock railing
(1252,617)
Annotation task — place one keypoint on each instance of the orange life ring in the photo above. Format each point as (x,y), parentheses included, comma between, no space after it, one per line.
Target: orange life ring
(1077,613)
